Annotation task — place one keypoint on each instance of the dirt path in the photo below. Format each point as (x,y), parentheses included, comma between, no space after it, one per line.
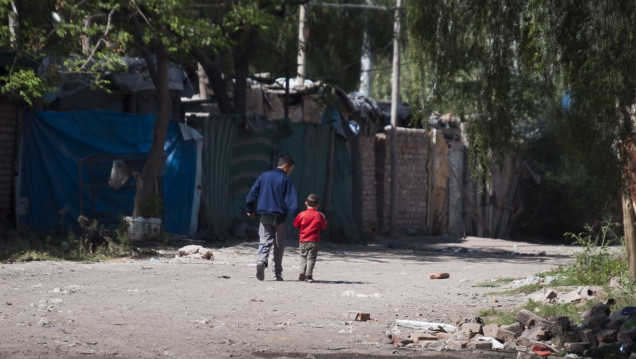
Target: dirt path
(186,308)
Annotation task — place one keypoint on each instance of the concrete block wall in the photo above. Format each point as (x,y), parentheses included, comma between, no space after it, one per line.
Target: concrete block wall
(412,155)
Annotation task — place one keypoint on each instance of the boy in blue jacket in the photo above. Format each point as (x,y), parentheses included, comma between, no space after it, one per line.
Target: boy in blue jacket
(272,197)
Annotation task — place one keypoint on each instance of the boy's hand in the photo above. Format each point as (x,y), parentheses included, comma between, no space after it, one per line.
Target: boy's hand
(251,214)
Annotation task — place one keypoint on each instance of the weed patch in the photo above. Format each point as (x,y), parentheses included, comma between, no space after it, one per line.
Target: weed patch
(62,244)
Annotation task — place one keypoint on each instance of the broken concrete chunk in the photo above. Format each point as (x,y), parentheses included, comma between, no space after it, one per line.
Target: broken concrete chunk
(398,341)
(596,317)
(478,344)
(442,335)
(504,335)
(579,347)
(606,335)
(455,344)
(490,330)
(587,335)
(357,316)
(422,336)
(516,328)
(471,329)
(579,295)
(545,295)
(528,319)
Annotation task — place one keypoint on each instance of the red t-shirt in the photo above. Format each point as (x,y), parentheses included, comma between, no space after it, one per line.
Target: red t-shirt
(310,222)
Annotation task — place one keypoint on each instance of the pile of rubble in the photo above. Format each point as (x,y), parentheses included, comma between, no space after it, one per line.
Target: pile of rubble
(601,334)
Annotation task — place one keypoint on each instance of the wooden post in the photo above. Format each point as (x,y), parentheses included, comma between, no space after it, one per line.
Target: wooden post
(455,207)
(630,236)
(430,206)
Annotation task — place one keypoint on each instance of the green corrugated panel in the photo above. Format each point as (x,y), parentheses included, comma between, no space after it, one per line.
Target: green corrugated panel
(234,158)
(220,134)
(309,146)
(254,153)
(344,227)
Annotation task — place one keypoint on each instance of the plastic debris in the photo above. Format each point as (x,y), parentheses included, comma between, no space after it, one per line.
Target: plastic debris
(426,325)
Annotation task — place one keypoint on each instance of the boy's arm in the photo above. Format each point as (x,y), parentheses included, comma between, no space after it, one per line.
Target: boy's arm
(252,195)
(291,200)
(323,221)
(297,220)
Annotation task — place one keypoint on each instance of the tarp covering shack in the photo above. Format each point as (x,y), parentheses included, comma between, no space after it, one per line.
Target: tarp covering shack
(59,148)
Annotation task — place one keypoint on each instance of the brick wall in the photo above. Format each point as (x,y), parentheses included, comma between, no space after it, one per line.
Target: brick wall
(8,143)
(412,154)
(368,215)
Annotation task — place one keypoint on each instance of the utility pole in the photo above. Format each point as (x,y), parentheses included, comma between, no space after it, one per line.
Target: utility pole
(303,34)
(365,60)
(395,92)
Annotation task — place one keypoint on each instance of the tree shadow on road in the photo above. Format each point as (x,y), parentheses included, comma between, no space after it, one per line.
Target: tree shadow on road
(441,248)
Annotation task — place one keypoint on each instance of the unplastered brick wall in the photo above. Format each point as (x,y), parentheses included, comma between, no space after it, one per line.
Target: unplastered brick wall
(412,154)
(368,206)
(8,134)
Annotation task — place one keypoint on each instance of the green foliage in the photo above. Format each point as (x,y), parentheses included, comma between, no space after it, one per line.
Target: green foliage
(500,317)
(64,244)
(570,310)
(334,46)
(470,60)
(596,265)
(26,84)
(589,47)
(153,206)
(569,194)
(93,35)
(502,65)
(493,283)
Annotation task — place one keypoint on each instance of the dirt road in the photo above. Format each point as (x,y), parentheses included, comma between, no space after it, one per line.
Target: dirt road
(168,307)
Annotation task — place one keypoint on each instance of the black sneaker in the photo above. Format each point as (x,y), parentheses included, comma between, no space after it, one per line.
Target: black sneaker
(309,279)
(301,276)
(278,278)
(260,270)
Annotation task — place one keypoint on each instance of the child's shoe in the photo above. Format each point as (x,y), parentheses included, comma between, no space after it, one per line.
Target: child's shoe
(309,279)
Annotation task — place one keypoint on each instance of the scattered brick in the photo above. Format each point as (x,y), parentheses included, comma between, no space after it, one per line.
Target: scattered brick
(440,275)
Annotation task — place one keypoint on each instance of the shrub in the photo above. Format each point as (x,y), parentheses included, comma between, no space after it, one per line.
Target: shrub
(597,264)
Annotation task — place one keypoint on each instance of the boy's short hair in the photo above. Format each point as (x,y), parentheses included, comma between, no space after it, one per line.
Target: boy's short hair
(286,159)
(313,200)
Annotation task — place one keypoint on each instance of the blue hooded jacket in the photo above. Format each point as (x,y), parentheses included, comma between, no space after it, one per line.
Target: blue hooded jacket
(273,193)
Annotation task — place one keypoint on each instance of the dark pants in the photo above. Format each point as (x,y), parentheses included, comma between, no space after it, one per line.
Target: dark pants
(308,254)
(272,235)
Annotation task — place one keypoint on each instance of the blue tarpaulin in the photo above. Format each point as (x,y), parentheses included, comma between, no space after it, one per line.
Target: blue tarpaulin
(53,145)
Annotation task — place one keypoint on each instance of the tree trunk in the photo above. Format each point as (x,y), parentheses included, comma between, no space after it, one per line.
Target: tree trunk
(630,236)
(242,53)
(216,81)
(145,181)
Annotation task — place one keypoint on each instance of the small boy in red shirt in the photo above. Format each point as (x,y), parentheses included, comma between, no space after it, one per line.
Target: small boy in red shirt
(310,222)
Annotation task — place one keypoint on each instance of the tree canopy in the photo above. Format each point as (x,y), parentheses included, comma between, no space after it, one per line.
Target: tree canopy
(505,64)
